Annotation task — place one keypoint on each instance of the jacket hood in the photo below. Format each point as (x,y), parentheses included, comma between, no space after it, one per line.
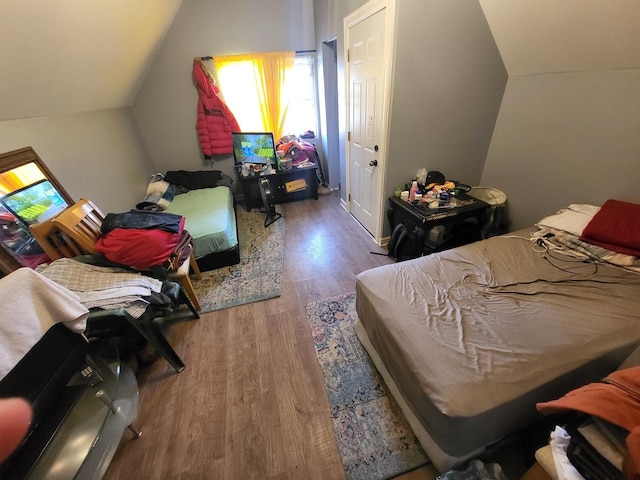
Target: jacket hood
(203,78)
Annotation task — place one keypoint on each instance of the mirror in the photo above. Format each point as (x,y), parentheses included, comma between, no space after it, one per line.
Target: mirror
(29,193)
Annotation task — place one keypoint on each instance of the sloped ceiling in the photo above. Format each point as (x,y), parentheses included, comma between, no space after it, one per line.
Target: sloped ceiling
(546,36)
(68,56)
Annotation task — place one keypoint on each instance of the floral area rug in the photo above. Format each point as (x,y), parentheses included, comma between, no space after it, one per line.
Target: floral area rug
(374,439)
(257,277)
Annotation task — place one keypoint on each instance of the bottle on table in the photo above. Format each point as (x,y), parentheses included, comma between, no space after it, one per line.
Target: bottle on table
(413,191)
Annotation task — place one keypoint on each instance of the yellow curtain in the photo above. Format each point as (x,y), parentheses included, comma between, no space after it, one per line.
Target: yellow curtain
(271,72)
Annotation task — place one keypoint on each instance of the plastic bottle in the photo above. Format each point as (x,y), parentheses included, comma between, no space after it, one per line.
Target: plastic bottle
(412,191)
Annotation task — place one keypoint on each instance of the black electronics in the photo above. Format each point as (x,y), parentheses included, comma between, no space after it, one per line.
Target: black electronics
(254,148)
(268,202)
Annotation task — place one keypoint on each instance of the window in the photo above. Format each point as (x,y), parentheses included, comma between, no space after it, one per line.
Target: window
(270,92)
(302,113)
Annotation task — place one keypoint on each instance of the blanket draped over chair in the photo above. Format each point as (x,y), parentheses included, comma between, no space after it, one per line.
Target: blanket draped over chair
(31,304)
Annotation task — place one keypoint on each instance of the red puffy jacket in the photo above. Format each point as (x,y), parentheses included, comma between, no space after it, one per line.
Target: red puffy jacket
(215,121)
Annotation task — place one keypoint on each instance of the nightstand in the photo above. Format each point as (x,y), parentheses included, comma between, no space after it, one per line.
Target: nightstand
(444,227)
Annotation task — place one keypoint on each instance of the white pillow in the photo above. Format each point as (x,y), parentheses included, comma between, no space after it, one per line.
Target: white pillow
(572,219)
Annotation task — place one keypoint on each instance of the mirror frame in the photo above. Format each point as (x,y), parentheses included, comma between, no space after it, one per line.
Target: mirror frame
(9,161)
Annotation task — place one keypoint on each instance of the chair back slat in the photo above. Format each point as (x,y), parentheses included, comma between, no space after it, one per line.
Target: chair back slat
(81,222)
(55,243)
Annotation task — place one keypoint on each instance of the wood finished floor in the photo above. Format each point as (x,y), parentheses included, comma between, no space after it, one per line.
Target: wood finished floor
(251,402)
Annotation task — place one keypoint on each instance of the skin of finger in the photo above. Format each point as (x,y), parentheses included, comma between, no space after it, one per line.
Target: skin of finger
(15,419)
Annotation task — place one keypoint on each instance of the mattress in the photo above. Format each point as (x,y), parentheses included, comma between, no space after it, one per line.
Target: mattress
(472,338)
(210,219)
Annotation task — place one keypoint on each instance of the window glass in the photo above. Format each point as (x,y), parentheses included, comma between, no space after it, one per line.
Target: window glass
(237,83)
(302,113)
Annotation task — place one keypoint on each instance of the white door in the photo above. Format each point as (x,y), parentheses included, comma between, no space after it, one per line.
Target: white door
(367,101)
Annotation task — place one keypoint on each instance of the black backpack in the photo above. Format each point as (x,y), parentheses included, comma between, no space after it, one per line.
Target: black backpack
(405,245)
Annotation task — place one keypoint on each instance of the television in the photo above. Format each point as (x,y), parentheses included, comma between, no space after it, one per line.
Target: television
(34,203)
(254,147)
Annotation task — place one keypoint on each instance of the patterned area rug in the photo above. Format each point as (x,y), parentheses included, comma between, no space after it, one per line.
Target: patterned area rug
(257,277)
(374,439)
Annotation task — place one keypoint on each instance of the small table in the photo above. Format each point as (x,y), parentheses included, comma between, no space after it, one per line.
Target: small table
(461,224)
(305,176)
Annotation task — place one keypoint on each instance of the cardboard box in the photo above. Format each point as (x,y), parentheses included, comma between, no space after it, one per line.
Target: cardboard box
(295,185)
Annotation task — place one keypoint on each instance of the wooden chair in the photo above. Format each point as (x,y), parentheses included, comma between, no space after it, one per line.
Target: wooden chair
(105,323)
(82,221)
(55,243)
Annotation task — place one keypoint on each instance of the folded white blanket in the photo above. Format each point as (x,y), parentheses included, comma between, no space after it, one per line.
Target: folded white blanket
(31,304)
(572,219)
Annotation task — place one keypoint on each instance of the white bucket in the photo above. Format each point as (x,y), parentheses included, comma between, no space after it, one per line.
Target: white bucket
(497,199)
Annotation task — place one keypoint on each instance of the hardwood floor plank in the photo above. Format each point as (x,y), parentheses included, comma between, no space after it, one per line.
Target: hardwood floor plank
(251,402)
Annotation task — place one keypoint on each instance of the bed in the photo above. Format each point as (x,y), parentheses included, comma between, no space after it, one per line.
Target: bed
(470,339)
(206,201)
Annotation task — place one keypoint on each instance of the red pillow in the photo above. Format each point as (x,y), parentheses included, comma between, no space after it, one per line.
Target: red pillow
(615,227)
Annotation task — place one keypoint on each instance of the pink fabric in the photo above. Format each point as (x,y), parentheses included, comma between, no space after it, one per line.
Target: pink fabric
(615,227)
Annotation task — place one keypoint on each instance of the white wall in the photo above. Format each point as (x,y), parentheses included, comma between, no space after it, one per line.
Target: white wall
(566,138)
(99,155)
(166,105)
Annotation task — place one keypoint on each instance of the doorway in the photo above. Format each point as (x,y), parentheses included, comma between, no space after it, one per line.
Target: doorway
(368,40)
(332,139)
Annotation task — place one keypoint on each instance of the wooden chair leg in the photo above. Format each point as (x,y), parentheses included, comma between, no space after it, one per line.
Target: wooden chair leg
(194,266)
(186,284)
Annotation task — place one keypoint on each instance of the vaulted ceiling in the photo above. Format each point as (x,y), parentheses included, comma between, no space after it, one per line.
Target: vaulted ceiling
(76,55)
(68,56)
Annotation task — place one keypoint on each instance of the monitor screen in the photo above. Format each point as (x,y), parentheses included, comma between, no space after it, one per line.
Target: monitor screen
(35,202)
(254,147)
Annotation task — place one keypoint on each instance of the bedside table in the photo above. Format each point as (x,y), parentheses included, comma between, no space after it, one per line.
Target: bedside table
(455,225)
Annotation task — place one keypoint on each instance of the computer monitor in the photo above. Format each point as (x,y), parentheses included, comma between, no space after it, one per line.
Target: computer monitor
(35,202)
(254,147)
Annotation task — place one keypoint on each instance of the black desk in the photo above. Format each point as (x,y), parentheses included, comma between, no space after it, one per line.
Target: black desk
(278,182)
(461,224)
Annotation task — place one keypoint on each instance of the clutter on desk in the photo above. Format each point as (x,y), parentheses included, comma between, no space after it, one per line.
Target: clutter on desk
(292,152)
(248,169)
(432,190)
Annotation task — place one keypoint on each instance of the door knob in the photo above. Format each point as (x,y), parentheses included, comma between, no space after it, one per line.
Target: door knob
(373,163)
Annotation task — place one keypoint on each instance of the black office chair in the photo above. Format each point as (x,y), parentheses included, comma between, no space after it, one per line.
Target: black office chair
(149,326)
(131,335)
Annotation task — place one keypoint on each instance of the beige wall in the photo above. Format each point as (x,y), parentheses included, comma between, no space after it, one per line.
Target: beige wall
(99,155)
(566,138)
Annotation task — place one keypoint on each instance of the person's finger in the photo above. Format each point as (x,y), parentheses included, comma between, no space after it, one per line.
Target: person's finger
(15,418)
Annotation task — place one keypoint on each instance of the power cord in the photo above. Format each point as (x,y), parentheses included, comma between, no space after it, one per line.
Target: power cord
(546,252)
(539,245)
